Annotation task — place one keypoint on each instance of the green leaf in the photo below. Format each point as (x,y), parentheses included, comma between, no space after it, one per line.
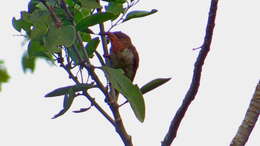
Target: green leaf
(32,5)
(38,31)
(131,92)
(65,90)
(85,36)
(70,2)
(92,46)
(153,84)
(138,14)
(65,35)
(115,8)
(4,76)
(40,17)
(28,62)
(93,20)
(36,49)
(21,24)
(90,4)
(67,102)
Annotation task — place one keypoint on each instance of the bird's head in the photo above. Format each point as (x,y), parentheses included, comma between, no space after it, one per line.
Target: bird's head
(119,40)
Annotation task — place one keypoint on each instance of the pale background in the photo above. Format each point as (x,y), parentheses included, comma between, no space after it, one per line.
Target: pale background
(164,41)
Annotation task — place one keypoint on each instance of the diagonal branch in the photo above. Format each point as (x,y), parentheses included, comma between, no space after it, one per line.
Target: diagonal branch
(249,121)
(191,93)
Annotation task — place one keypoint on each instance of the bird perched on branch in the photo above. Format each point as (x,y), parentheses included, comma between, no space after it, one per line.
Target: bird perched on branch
(123,54)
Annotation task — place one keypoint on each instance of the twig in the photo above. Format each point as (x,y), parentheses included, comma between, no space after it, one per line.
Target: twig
(93,102)
(119,21)
(56,19)
(191,93)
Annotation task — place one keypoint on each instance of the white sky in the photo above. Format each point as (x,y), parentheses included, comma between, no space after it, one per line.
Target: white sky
(164,42)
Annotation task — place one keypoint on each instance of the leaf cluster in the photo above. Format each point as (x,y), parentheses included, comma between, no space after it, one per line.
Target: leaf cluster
(62,31)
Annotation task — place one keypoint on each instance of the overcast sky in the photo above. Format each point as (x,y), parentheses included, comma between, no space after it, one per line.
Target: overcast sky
(164,42)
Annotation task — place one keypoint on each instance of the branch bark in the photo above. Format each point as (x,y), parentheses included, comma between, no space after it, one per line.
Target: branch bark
(249,121)
(192,91)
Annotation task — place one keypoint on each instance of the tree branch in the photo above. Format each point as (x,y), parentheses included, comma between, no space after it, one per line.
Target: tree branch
(75,79)
(191,93)
(114,107)
(249,121)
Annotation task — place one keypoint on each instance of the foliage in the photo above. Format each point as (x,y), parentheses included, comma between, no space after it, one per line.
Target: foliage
(62,30)
(4,76)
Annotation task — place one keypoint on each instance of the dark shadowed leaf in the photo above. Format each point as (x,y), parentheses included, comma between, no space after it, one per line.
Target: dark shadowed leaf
(81,110)
(131,92)
(138,14)
(153,84)
(67,102)
(117,1)
(65,90)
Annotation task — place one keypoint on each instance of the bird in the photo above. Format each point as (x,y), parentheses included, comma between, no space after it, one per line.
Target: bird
(123,54)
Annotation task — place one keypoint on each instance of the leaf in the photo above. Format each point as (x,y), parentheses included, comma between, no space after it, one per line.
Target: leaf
(90,4)
(28,62)
(153,84)
(82,110)
(36,49)
(92,46)
(85,36)
(38,31)
(4,76)
(138,14)
(93,20)
(21,24)
(115,8)
(66,35)
(73,55)
(131,92)
(65,90)
(117,1)
(32,5)
(40,17)
(67,102)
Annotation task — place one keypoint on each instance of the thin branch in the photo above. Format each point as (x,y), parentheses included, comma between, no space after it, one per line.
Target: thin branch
(56,19)
(93,102)
(114,107)
(120,20)
(191,93)
(249,121)
(69,14)
(86,58)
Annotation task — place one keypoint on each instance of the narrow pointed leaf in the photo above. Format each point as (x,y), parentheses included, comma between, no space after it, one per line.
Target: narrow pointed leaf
(67,102)
(153,84)
(65,90)
(138,14)
(131,92)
